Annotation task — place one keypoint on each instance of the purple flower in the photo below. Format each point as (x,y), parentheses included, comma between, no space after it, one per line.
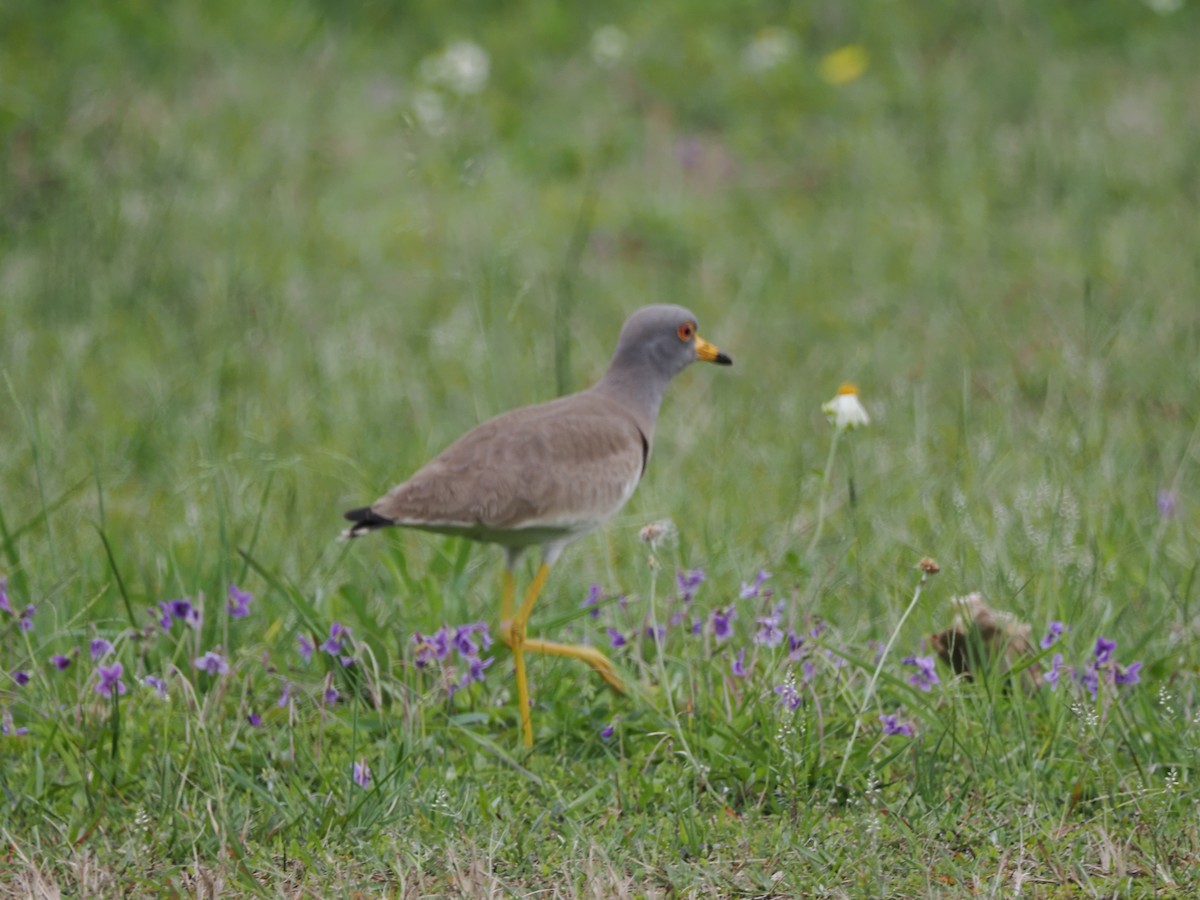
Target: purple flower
(738,665)
(1090,679)
(893,726)
(362,774)
(464,643)
(331,694)
(616,638)
(239,602)
(304,647)
(795,646)
(608,730)
(422,650)
(21,677)
(285,696)
(788,695)
(697,626)
(1104,650)
(656,632)
(1054,632)
(337,635)
(6,726)
(751,590)
(60,662)
(163,616)
(110,680)
(475,668)
(1168,504)
(212,663)
(160,686)
(926,675)
(769,633)
(1056,667)
(185,612)
(592,601)
(25,623)
(722,622)
(4,604)
(1130,675)
(440,642)
(99,648)
(254,719)
(688,582)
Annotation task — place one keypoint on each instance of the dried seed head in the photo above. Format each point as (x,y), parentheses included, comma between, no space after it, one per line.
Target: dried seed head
(980,636)
(929,566)
(657,533)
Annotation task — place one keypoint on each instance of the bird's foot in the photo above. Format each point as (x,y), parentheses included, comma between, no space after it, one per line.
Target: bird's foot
(590,655)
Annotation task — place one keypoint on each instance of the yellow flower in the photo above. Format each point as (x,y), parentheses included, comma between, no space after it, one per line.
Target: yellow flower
(844,65)
(845,410)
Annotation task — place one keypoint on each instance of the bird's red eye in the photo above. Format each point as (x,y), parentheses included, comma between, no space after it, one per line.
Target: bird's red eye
(686,331)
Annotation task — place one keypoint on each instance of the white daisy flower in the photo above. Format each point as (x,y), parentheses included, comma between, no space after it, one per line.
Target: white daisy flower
(769,49)
(608,45)
(463,68)
(845,410)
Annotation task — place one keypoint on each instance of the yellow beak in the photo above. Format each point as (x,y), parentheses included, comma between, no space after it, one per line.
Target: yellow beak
(709,353)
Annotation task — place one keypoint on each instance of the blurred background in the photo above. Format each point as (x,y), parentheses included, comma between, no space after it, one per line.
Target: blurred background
(258,261)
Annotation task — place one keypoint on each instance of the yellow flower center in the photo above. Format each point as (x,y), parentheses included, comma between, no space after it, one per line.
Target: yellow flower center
(847,388)
(844,65)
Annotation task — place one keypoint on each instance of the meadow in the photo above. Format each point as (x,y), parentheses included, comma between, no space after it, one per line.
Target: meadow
(259,262)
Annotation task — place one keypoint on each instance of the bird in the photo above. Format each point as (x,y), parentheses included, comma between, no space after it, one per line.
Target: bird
(548,474)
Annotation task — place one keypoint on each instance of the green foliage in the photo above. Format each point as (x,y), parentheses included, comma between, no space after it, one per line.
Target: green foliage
(260,261)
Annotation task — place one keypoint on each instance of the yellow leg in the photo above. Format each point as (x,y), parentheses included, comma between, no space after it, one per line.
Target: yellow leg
(512,632)
(523,694)
(531,595)
(589,655)
(507,636)
(506,600)
(514,636)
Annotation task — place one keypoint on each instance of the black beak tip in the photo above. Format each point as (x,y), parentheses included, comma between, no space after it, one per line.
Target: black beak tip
(723,360)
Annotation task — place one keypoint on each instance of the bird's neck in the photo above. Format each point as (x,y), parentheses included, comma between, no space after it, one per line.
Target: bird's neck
(636,389)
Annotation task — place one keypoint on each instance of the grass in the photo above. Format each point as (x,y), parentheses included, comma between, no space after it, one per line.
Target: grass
(255,268)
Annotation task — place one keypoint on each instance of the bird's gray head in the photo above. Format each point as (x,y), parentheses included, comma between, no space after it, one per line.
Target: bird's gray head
(662,340)
(656,344)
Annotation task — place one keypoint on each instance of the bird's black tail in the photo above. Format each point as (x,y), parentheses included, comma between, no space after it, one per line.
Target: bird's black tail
(365,520)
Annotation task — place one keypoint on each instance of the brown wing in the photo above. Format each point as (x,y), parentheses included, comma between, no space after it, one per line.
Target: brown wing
(568,464)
